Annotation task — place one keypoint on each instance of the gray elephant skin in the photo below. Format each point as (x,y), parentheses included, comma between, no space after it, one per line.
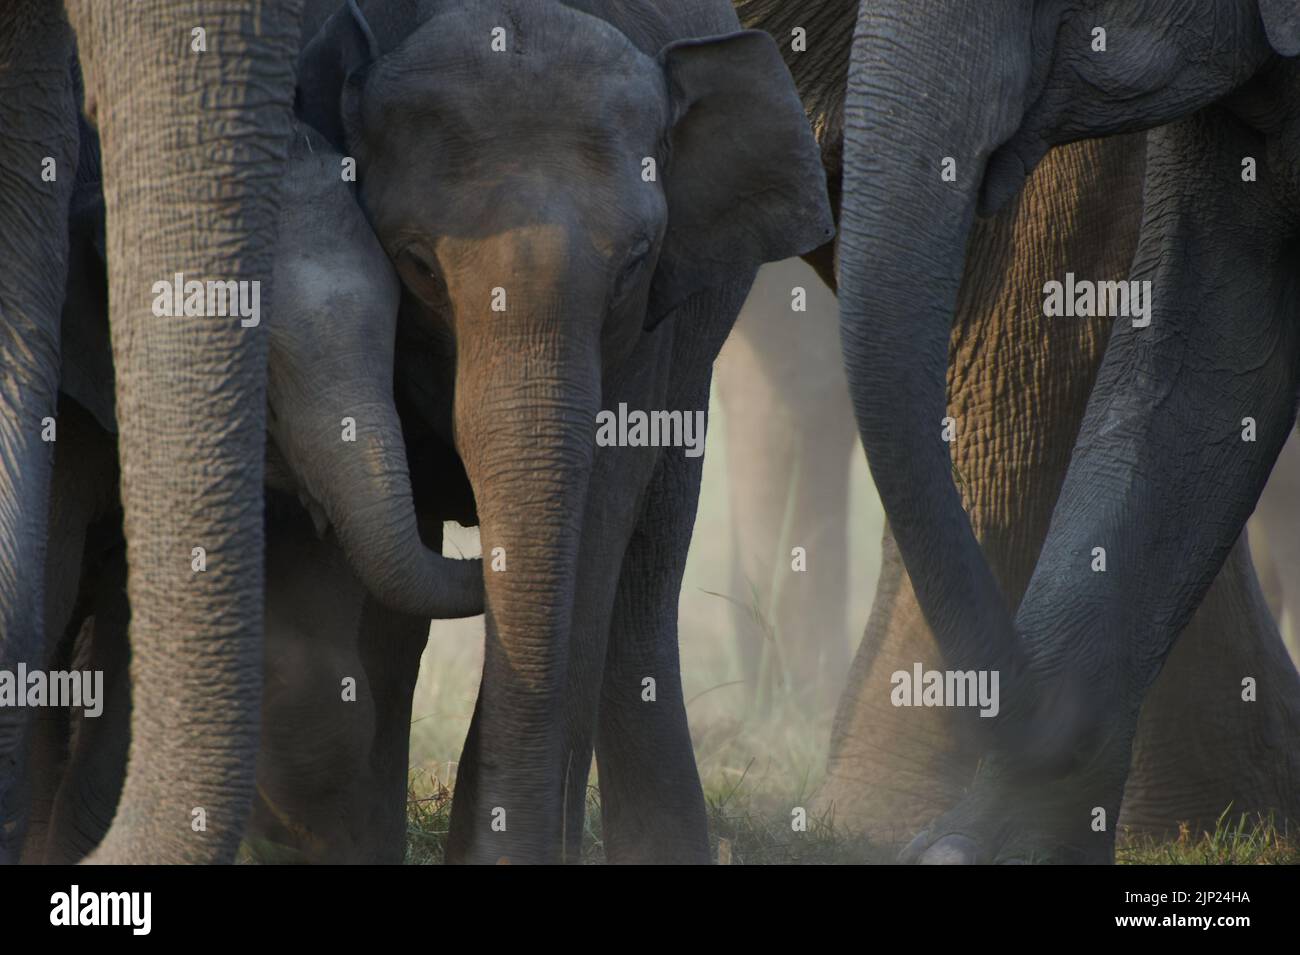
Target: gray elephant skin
(620,287)
(190,394)
(331,772)
(1163,476)
(1198,751)
(610,287)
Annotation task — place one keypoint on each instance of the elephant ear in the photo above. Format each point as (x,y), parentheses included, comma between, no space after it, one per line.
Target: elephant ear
(1282,24)
(344,45)
(744,183)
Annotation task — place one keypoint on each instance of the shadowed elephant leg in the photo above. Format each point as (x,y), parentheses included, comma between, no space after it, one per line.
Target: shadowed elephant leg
(390,645)
(1164,477)
(595,610)
(1200,746)
(45,767)
(97,751)
(318,703)
(652,802)
(39,117)
(84,489)
(891,769)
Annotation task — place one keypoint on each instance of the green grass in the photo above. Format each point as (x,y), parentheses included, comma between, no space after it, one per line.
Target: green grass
(1245,841)
(737,832)
(741,834)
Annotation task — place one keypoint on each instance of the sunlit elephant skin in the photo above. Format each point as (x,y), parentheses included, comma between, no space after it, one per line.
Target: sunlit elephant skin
(190,395)
(610,288)
(1086,645)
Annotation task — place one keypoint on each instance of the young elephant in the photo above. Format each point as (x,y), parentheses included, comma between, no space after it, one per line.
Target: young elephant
(576,197)
(340,663)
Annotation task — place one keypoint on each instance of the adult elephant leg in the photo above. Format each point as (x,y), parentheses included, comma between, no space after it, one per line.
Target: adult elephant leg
(38,157)
(1161,478)
(83,491)
(1201,746)
(191,185)
(891,769)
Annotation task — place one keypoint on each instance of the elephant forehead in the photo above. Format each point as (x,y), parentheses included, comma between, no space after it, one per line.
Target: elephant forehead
(491,62)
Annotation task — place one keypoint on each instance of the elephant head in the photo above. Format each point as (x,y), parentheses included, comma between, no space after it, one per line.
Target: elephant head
(550,193)
(946,116)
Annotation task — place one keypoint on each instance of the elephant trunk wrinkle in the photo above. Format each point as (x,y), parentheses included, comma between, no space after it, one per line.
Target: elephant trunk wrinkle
(352,460)
(529,454)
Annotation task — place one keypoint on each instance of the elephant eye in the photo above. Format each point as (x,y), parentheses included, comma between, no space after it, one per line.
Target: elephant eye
(423,277)
(636,261)
(421,264)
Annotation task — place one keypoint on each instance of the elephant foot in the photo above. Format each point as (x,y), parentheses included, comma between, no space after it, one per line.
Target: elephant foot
(1005,820)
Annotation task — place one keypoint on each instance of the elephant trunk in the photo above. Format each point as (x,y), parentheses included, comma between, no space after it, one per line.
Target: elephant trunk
(349,456)
(190,188)
(917,150)
(525,429)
